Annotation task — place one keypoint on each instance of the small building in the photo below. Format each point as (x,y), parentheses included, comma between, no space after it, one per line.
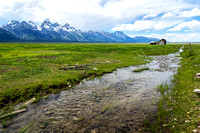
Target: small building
(160,42)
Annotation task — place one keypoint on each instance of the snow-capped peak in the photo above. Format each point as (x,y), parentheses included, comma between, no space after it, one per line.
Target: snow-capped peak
(12,23)
(57,27)
(31,23)
(57,24)
(17,25)
(46,25)
(25,24)
(119,34)
(68,28)
(100,31)
(8,23)
(66,25)
(47,21)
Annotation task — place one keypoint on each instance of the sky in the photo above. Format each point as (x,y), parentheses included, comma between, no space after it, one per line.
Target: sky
(174,20)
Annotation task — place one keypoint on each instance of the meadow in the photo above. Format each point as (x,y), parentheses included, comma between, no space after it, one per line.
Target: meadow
(30,69)
(34,70)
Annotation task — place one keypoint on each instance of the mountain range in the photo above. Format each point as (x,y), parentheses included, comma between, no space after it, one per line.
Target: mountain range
(54,32)
(7,36)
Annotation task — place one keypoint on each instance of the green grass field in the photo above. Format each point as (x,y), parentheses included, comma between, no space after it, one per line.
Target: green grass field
(28,70)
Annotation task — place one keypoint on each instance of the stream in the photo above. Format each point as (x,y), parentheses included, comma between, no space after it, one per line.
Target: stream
(115,102)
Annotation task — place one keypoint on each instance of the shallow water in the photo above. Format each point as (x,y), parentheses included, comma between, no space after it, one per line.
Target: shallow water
(116,102)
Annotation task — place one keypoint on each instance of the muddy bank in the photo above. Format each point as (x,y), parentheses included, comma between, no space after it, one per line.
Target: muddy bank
(116,102)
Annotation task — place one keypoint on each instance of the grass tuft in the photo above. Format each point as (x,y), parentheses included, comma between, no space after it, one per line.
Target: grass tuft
(141,69)
(105,109)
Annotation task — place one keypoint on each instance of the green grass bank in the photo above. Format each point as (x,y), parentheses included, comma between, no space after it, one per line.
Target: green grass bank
(31,69)
(179,105)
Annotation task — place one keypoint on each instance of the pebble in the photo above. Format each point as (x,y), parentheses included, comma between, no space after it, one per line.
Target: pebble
(48,113)
(195,130)
(75,119)
(43,125)
(95,68)
(45,110)
(94,131)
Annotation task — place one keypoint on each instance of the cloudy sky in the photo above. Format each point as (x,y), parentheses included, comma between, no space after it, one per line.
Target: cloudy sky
(175,20)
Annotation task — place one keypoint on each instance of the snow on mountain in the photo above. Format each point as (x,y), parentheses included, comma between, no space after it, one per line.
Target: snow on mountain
(48,31)
(120,34)
(25,25)
(47,25)
(144,39)
(68,28)
(11,25)
(23,30)
(123,37)
(31,23)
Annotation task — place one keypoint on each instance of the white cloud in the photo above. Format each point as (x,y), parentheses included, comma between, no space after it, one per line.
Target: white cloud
(193,25)
(19,9)
(192,13)
(182,14)
(152,15)
(173,19)
(146,25)
(169,14)
(87,14)
(174,37)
